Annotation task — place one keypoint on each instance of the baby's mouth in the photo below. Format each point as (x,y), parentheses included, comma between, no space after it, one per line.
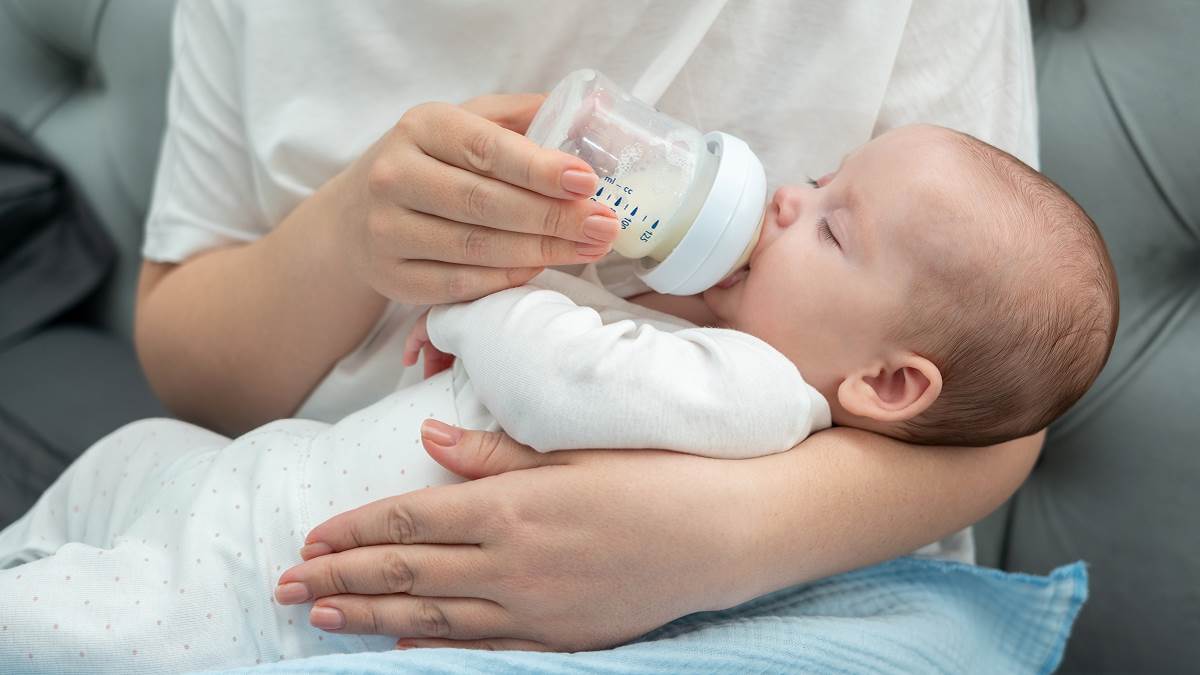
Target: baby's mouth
(735,278)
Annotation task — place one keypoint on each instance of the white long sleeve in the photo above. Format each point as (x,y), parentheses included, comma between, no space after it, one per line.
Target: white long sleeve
(560,376)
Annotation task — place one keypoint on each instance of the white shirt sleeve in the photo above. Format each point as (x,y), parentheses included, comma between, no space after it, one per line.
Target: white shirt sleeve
(203,189)
(557,377)
(967,66)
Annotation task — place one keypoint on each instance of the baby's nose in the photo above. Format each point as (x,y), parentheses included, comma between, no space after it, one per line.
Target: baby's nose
(789,200)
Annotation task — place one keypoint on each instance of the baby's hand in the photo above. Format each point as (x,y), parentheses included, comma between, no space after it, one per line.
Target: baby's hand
(435,359)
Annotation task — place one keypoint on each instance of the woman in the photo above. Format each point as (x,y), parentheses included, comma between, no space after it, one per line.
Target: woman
(309,202)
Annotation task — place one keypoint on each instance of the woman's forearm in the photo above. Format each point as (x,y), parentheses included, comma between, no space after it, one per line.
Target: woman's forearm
(846,498)
(240,335)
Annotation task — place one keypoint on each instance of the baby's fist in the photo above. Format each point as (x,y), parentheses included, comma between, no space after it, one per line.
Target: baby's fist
(418,340)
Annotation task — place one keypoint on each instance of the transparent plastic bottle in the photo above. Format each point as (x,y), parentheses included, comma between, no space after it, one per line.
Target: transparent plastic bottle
(690,204)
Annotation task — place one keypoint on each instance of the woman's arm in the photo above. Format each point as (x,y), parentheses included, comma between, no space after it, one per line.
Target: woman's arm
(581,550)
(852,498)
(241,312)
(450,204)
(238,336)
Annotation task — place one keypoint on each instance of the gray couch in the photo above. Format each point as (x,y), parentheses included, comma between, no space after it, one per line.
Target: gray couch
(87,78)
(1119,86)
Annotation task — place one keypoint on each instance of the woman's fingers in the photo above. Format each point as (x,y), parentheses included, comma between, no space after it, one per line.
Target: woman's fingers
(450,205)
(456,136)
(420,236)
(448,514)
(430,186)
(465,513)
(427,570)
(407,616)
(494,645)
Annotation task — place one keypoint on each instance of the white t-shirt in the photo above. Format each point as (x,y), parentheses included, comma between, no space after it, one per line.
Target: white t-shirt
(270,98)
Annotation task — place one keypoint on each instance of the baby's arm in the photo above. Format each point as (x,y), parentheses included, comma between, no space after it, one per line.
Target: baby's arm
(557,377)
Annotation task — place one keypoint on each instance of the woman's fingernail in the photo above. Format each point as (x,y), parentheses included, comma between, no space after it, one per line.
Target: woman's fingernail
(439,433)
(591,250)
(310,551)
(326,618)
(602,229)
(292,593)
(579,182)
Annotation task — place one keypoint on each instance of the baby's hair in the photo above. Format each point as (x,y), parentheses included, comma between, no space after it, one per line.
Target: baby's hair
(1018,340)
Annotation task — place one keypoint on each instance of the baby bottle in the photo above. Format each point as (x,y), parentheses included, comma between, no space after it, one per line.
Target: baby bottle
(690,204)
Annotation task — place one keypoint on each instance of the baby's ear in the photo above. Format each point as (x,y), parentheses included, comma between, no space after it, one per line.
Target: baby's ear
(895,390)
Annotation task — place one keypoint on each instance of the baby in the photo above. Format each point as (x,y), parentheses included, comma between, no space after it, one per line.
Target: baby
(933,289)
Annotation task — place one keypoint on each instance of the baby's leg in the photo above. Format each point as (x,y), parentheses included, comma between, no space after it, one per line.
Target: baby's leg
(86,587)
(86,609)
(180,575)
(104,489)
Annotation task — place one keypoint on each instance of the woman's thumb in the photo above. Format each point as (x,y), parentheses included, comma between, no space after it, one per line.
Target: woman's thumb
(475,454)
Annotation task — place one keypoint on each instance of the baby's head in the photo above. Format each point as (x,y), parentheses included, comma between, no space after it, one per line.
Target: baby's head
(933,288)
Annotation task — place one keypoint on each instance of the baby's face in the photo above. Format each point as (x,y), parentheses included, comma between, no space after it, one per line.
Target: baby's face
(834,263)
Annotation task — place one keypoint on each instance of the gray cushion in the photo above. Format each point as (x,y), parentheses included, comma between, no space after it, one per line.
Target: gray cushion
(1119,87)
(87,79)
(62,390)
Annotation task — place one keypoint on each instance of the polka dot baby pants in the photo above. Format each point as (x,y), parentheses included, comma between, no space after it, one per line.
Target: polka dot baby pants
(158,549)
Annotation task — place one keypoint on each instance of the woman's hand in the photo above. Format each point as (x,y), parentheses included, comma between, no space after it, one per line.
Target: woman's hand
(587,550)
(453,203)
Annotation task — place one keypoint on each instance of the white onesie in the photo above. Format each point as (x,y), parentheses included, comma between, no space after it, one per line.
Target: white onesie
(158,549)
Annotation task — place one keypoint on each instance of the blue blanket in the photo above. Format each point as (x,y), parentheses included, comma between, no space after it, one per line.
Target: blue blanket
(904,616)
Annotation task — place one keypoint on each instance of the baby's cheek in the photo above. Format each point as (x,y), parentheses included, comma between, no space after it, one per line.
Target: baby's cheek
(783,312)
(766,319)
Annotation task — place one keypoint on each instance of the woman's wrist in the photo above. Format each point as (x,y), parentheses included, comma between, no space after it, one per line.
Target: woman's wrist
(731,558)
(210,331)
(318,229)
(757,515)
